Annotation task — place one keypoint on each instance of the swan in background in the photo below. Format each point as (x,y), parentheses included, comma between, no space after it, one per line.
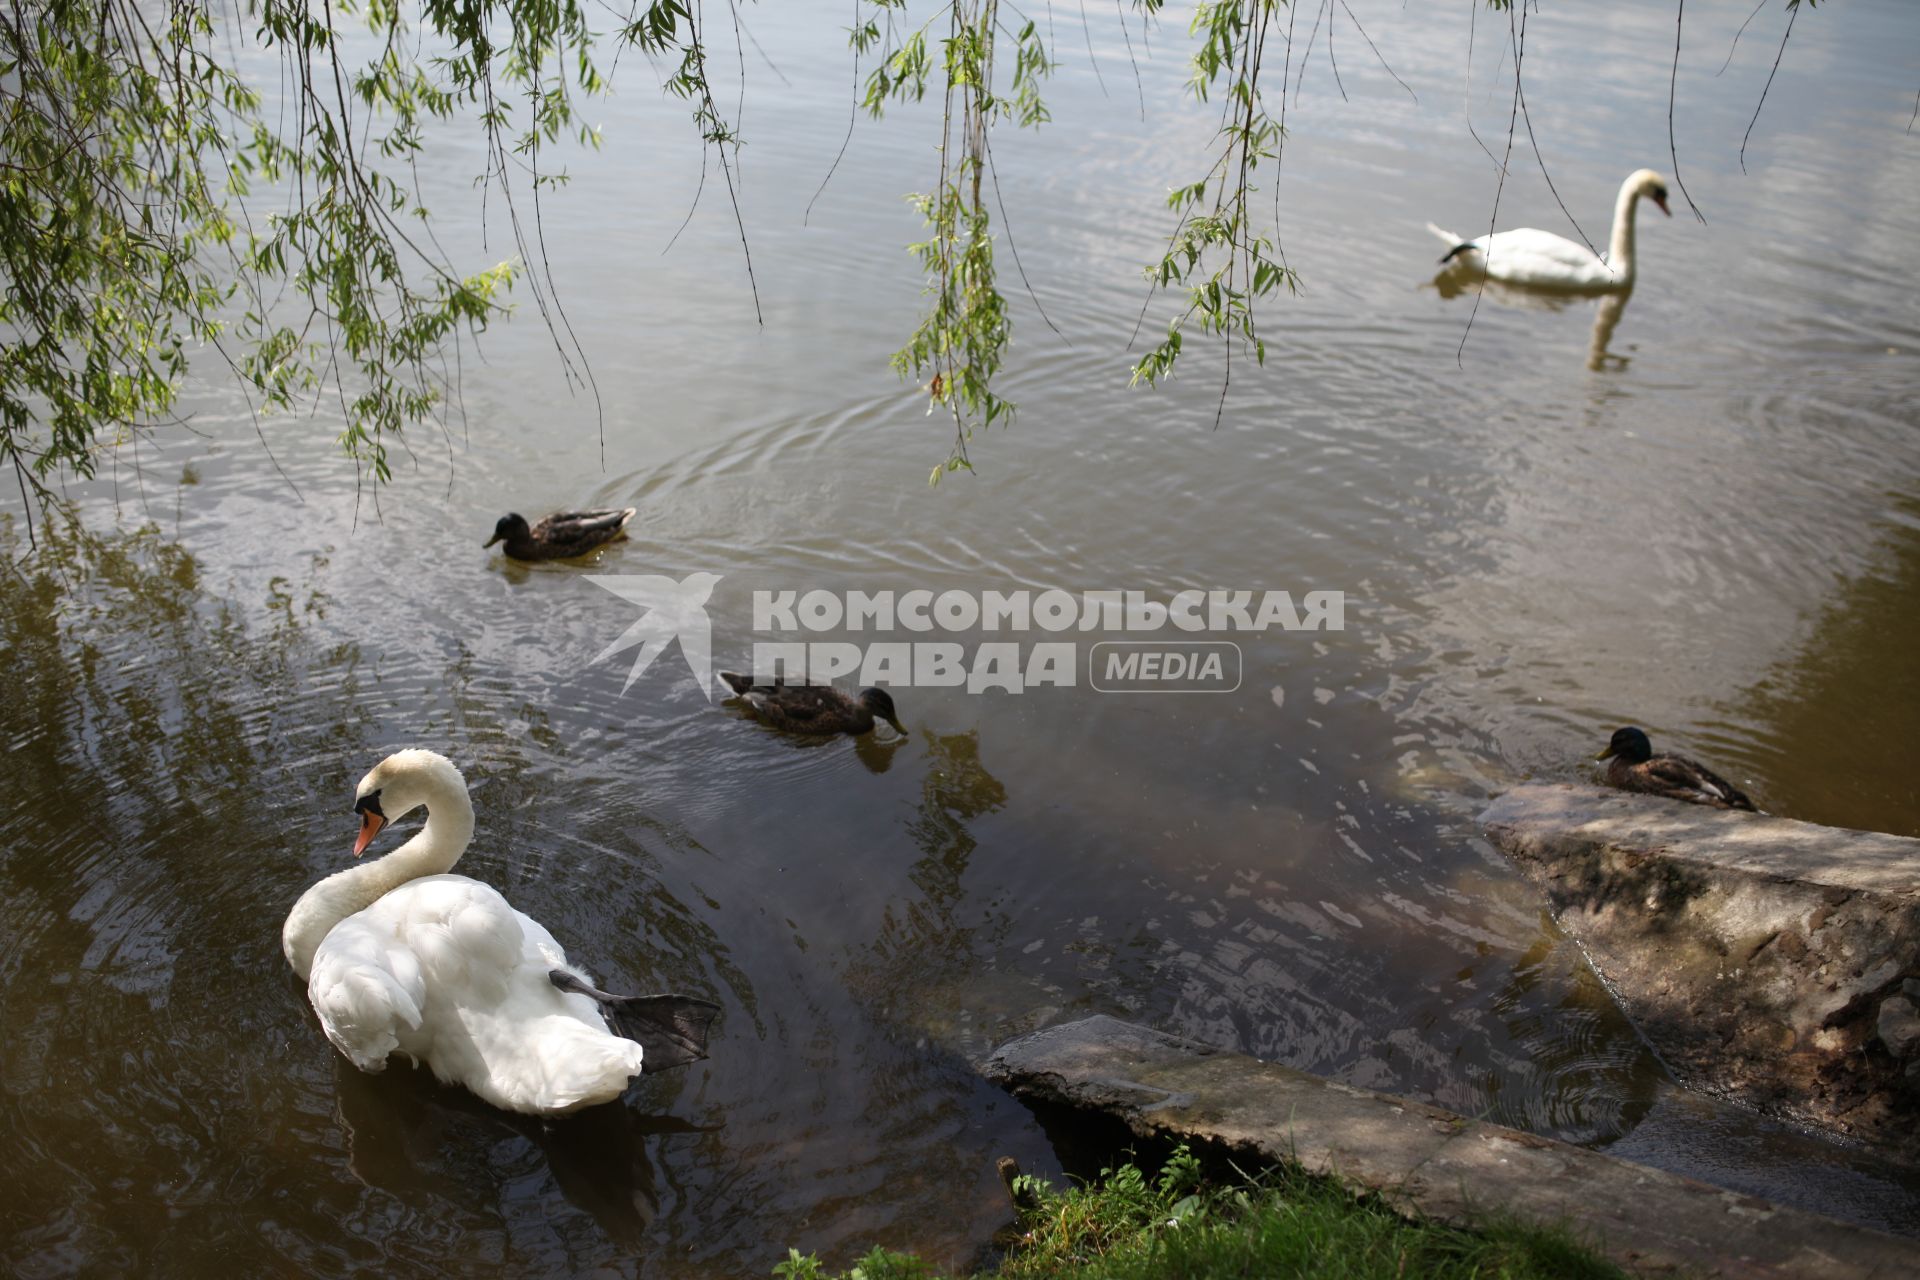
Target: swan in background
(1543,260)
(400,957)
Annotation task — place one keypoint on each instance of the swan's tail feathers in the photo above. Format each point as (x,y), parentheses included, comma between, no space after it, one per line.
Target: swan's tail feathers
(737,682)
(1456,245)
(670,1030)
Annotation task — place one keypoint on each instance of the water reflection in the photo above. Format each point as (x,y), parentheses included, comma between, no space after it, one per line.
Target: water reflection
(163,752)
(1302,879)
(519,573)
(1605,1078)
(177,773)
(877,752)
(1830,709)
(926,948)
(411,1136)
(1457,279)
(1606,318)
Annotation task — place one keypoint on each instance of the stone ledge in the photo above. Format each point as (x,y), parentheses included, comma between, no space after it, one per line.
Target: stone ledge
(1769,961)
(1428,1161)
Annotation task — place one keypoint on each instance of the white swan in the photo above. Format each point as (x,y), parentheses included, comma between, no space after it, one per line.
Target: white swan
(1544,260)
(399,957)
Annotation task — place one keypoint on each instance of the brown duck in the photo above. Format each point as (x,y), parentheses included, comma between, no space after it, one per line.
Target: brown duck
(562,535)
(1636,768)
(814,708)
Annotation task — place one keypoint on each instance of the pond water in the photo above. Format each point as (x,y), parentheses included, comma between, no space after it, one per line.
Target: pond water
(1709,526)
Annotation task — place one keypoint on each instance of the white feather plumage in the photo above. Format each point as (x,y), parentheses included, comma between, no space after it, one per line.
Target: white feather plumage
(400,957)
(1541,259)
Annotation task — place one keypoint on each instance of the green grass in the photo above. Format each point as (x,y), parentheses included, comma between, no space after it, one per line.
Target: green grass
(1179,1226)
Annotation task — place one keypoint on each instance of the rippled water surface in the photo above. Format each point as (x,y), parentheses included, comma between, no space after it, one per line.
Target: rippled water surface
(1705,520)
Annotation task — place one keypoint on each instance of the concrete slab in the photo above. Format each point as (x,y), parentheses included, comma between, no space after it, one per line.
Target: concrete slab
(1765,959)
(1428,1161)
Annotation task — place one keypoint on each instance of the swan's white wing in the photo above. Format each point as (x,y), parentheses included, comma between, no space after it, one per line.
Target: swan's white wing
(445,970)
(367,991)
(381,975)
(465,935)
(1531,256)
(537,945)
(1533,245)
(549,1046)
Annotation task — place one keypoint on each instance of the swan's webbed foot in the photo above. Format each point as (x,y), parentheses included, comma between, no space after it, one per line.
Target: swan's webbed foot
(671,1030)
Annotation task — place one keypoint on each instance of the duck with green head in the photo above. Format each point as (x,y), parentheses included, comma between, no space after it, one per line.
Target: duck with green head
(1636,768)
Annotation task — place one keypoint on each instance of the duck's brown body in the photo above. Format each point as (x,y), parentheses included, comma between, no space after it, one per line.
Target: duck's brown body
(1634,767)
(812,708)
(562,535)
(1678,778)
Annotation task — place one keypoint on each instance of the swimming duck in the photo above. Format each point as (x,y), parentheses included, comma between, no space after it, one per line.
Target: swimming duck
(562,535)
(1636,768)
(401,957)
(1544,260)
(814,708)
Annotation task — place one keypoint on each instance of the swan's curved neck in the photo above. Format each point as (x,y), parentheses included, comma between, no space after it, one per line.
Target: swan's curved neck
(1620,251)
(433,850)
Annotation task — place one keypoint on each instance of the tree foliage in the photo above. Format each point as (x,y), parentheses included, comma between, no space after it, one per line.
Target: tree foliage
(154,205)
(157,207)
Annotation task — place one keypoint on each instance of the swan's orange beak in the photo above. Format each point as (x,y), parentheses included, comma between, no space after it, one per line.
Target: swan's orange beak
(370,824)
(1662,202)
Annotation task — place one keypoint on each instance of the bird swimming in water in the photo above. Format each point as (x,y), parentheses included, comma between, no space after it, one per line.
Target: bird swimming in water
(814,708)
(1543,260)
(401,957)
(1636,768)
(562,535)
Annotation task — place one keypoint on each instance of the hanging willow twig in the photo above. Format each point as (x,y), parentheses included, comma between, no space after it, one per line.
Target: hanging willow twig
(962,336)
(1219,253)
